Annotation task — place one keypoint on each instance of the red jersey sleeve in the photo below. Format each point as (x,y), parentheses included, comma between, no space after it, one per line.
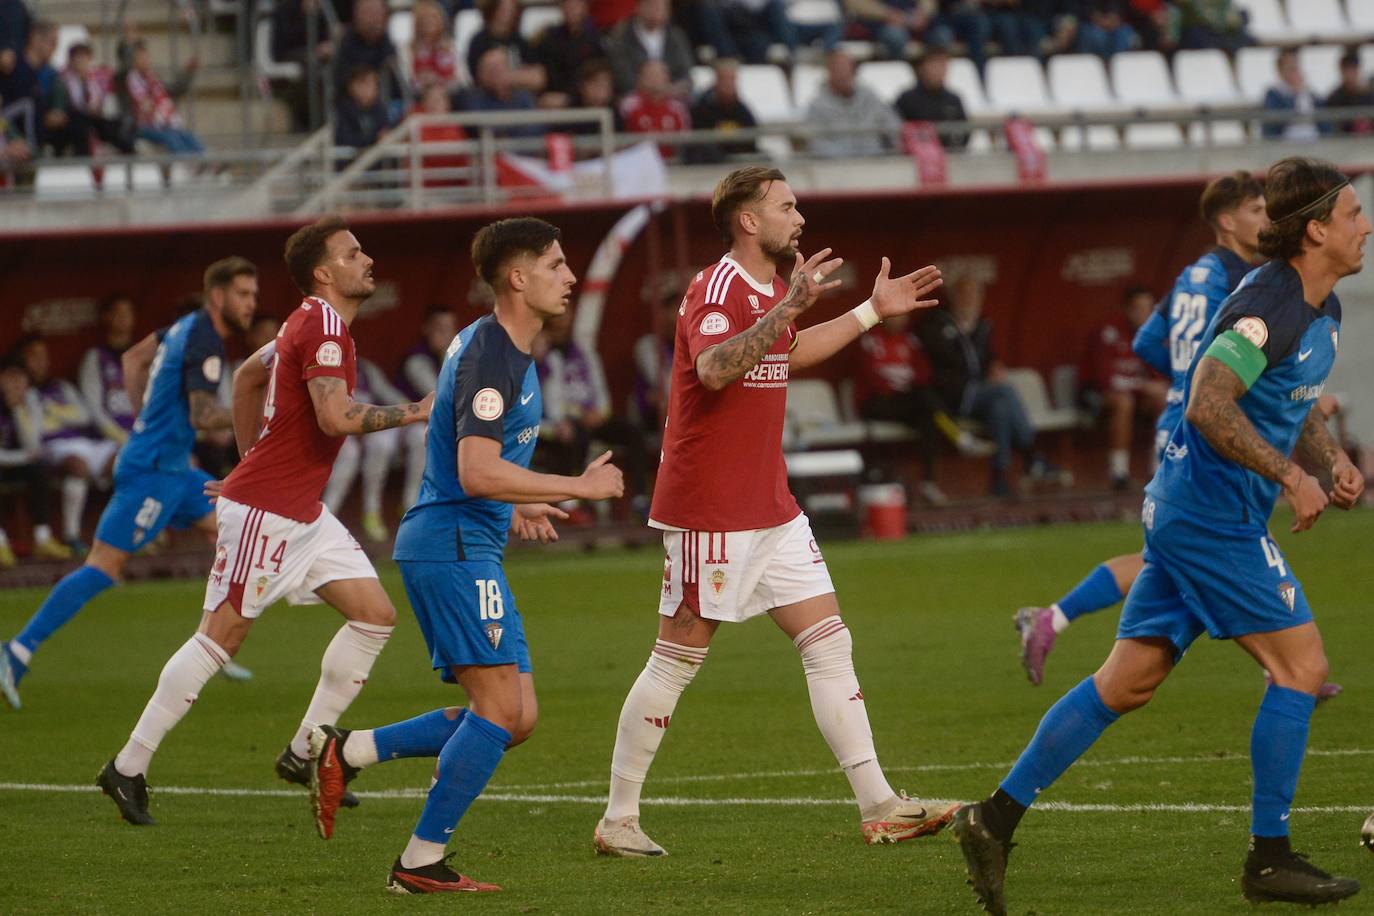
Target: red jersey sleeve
(709,313)
(324,345)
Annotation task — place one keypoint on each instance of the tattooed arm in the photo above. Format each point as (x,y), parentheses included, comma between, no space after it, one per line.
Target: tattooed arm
(1318,448)
(340,415)
(207,412)
(725,363)
(136,361)
(1213,411)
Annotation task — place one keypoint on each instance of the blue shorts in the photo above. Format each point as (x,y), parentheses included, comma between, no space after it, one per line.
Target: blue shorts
(1229,580)
(467,614)
(144,503)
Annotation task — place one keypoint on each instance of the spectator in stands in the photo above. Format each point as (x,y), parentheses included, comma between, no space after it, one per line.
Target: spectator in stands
(607,14)
(1021,26)
(372,453)
(1353,92)
(495,89)
(866,126)
(1118,385)
(501,29)
(365,43)
(1290,93)
(1102,28)
(563,49)
(15,23)
(721,108)
(153,104)
(290,36)
(1156,22)
(1212,24)
(650,35)
(595,88)
(26,91)
(360,116)
(577,410)
(929,100)
(754,25)
(436,100)
(418,376)
(21,463)
(81,95)
(70,445)
(971,380)
(935,23)
(651,108)
(101,375)
(433,58)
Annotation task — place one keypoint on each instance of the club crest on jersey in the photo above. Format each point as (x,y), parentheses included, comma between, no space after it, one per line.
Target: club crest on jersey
(715,323)
(717,580)
(1289,594)
(211,368)
(1199,274)
(329,354)
(488,404)
(1252,329)
(494,631)
(754,303)
(260,586)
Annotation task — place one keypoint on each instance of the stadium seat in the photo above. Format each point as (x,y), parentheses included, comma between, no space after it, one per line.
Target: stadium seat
(703,78)
(1030,388)
(1255,72)
(1141,79)
(887,78)
(763,87)
(813,414)
(465,25)
(1016,85)
(1367,57)
(1096,137)
(1360,13)
(859,50)
(63,181)
(1153,136)
(1204,77)
(262,55)
(1323,20)
(535,19)
(67,36)
(400,28)
(963,80)
(1078,82)
(876,431)
(1222,133)
(807,80)
(1321,67)
(814,12)
(1267,21)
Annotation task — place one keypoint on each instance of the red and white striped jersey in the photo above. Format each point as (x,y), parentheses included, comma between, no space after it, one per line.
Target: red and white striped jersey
(285,472)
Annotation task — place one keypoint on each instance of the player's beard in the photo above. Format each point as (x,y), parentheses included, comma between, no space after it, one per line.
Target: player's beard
(782,250)
(362,290)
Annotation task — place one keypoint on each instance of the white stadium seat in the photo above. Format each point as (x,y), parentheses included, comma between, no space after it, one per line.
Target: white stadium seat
(859,50)
(535,19)
(1030,387)
(1321,67)
(813,415)
(1267,21)
(67,36)
(400,28)
(1095,138)
(814,12)
(887,78)
(63,181)
(1367,58)
(703,78)
(763,87)
(262,55)
(1256,71)
(1319,19)
(465,25)
(1017,85)
(1361,16)
(1222,133)
(1078,82)
(1153,136)
(1141,79)
(963,80)
(1204,78)
(807,80)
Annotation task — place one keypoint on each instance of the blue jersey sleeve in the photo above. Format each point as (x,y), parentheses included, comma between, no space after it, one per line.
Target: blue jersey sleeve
(203,360)
(1263,315)
(1151,342)
(485,385)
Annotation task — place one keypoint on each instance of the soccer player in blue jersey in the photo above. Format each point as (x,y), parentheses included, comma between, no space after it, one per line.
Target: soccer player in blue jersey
(172,377)
(1210,563)
(482,432)
(1233,206)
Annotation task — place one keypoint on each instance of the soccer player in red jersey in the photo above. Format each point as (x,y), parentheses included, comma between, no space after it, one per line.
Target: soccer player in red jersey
(276,539)
(737,543)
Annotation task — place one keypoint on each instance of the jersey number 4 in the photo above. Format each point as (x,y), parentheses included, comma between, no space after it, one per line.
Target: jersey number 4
(489,601)
(1273,557)
(1187,318)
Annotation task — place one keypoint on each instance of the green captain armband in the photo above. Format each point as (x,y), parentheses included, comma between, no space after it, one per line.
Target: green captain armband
(1240,355)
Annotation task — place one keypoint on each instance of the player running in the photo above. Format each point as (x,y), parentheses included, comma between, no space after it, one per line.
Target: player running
(1233,206)
(173,375)
(449,547)
(737,543)
(1210,563)
(276,540)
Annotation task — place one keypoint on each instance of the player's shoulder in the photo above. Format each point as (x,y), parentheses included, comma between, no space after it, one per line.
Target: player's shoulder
(314,318)
(200,332)
(486,342)
(1273,289)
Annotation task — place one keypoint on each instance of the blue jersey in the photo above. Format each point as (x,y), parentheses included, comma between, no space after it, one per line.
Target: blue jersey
(487,387)
(1197,294)
(189,358)
(1299,344)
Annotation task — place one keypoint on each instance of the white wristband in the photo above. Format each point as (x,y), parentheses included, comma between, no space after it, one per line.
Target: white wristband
(867,314)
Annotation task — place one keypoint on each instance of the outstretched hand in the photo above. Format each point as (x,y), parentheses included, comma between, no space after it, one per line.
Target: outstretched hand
(534,522)
(809,281)
(899,295)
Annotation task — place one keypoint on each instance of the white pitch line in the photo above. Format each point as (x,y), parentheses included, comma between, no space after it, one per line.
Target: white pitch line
(935,768)
(543,798)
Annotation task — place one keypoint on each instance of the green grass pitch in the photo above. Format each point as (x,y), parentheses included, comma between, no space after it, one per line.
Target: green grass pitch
(935,652)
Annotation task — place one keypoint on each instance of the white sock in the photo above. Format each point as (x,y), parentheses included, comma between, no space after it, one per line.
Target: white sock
(198,660)
(643,720)
(42,533)
(73,501)
(1119,462)
(1058,620)
(341,478)
(20,651)
(838,704)
(343,672)
(360,750)
(376,464)
(421,852)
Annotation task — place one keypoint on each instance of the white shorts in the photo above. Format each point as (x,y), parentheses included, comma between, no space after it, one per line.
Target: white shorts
(735,575)
(261,556)
(95,452)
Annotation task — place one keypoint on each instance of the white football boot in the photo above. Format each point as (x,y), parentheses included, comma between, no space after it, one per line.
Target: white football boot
(622,837)
(906,818)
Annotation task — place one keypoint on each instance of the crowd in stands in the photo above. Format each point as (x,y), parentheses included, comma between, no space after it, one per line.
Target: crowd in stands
(80,106)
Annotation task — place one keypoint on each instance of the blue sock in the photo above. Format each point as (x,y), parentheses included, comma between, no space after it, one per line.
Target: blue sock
(1277,744)
(465,764)
(1068,729)
(1097,591)
(422,736)
(63,603)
